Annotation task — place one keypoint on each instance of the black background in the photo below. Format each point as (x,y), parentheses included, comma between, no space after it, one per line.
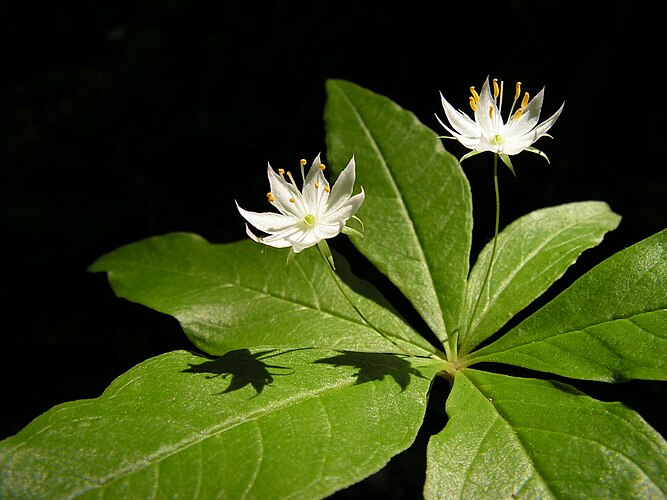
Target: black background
(123,120)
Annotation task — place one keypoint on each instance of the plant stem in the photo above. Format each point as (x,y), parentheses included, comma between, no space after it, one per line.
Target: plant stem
(333,276)
(493,248)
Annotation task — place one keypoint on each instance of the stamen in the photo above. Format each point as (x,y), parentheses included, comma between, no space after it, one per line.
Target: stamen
(327,189)
(491,112)
(317,185)
(322,166)
(518,90)
(524,102)
(474,93)
(473,104)
(496,89)
(291,200)
(518,114)
(289,174)
(270,197)
(303,162)
(281,171)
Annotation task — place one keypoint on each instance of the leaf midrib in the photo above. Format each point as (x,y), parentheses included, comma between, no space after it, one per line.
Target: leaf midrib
(502,287)
(163,454)
(262,292)
(400,199)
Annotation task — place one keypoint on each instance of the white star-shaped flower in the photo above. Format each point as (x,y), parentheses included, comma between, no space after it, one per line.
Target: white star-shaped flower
(317,212)
(488,131)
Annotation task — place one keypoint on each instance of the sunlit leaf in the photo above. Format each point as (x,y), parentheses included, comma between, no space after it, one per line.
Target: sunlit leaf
(531,254)
(240,295)
(260,424)
(418,211)
(610,325)
(510,437)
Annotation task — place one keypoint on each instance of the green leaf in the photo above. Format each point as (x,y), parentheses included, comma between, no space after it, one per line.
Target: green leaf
(531,254)
(510,437)
(264,424)
(610,325)
(240,295)
(418,211)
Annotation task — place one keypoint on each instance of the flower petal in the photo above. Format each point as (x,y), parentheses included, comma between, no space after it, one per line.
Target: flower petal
(529,117)
(344,213)
(269,222)
(482,116)
(462,124)
(283,192)
(314,168)
(276,243)
(543,127)
(342,188)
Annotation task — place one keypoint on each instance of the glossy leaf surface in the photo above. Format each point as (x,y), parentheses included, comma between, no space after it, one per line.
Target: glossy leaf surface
(240,295)
(418,209)
(531,254)
(261,424)
(511,437)
(610,325)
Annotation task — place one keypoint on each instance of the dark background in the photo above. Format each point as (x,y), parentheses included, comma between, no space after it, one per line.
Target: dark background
(122,120)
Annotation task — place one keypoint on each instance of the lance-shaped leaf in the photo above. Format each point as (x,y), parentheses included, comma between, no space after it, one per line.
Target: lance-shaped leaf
(531,254)
(610,325)
(240,295)
(509,437)
(266,424)
(418,212)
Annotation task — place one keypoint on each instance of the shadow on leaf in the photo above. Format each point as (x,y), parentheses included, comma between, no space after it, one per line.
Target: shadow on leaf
(244,367)
(375,366)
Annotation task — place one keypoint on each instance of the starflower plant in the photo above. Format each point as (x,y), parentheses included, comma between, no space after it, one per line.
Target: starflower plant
(488,132)
(316,213)
(283,391)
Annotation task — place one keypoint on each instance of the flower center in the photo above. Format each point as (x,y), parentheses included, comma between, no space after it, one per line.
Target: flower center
(497,140)
(309,219)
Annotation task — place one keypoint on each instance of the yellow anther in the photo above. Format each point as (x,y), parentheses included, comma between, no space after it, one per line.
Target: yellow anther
(518,114)
(524,102)
(291,200)
(496,89)
(322,166)
(474,93)
(518,90)
(303,162)
(473,104)
(270,197)
(317,185)
(491,112)
(326,188)
(281,171)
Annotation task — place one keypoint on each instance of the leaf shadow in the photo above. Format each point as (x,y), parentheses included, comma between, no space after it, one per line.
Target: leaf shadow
(375,366)
(244,367)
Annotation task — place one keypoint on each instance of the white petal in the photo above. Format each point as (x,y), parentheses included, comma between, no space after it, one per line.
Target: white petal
(276,243)
(462,123)
(543,127)
(314,194)
(282,192)
(304,240)
(342,188)
(529,117)
(517,144)
(468,142)
(514,145)
(482,117)
(269,222)
(326,231)
(343,214)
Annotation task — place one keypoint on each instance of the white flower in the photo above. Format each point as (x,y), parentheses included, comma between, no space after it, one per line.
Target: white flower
(306,217)
(488,131)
